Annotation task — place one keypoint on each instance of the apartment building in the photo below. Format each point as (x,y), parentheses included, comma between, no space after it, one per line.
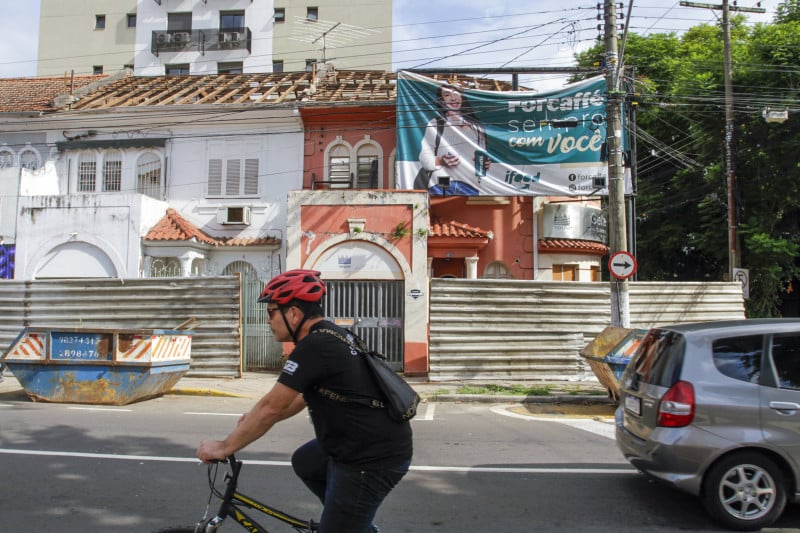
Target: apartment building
(157,37)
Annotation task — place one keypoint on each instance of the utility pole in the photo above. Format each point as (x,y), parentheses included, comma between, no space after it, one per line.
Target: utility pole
(734,257)
(620,301)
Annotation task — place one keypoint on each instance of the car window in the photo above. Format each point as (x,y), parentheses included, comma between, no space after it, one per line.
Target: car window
(786,358)
(659,358)
(739,357)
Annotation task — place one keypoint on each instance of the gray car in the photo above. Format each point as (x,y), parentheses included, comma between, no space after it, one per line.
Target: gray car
(714,409)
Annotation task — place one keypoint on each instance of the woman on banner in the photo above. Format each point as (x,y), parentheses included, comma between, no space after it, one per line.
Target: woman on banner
(454,147)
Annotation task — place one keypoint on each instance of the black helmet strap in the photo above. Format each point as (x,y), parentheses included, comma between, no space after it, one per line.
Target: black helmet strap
(293,332)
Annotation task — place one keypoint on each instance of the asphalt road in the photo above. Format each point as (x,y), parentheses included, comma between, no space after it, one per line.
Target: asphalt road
(477,468)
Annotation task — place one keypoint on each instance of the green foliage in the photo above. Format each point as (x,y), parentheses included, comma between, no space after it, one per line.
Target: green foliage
(514,390)
(682,181)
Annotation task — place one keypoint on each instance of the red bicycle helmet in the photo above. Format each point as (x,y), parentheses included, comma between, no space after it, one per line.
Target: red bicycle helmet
(299,284)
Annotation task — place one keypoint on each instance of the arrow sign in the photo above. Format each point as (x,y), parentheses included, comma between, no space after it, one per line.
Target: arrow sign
(622,265)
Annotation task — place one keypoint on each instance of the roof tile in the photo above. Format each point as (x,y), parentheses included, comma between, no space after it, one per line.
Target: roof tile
(458,229)
(36,94)
(572,245)
(173,227)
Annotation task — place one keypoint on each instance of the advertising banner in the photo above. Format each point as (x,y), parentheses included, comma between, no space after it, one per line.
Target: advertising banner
(457,141)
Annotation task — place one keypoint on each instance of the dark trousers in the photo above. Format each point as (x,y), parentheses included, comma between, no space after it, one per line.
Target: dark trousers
(350,497)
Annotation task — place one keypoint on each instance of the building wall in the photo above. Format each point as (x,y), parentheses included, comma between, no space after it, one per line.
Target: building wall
(82,235)
(330,127)
(508,218)
(319,233)
(55,219)
(69,42)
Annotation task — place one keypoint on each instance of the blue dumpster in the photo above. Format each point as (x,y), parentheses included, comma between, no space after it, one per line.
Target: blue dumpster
(609,354)
(96,366)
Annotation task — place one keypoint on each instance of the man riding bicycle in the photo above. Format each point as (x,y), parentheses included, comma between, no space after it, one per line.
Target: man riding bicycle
(359,453)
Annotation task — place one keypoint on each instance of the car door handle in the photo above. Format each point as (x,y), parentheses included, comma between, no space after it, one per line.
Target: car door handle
(784,406)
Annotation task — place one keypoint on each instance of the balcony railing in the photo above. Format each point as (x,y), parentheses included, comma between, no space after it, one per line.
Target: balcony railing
(203,41)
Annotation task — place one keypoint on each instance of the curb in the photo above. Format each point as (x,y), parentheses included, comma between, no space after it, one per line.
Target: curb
(184,391)
(495,398)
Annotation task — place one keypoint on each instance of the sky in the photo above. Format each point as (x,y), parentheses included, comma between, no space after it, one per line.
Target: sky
(451,33)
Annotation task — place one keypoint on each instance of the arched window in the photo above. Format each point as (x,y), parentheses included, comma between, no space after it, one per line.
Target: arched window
(148,175)
(339,167)
(497,270)
(87,172)
(367,171)
(112,171)
(29,159)
(6,158)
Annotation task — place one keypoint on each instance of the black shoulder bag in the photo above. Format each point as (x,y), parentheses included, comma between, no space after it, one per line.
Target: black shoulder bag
(400,400)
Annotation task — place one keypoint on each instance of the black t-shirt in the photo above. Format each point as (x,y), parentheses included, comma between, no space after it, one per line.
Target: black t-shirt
(351,433)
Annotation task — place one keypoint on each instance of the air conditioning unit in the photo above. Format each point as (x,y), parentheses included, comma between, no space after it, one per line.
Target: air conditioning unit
(181,37)
(164,38)
(236,37)
(234,215)
(226,37)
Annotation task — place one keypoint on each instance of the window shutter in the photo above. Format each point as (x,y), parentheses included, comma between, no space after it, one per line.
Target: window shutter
(233,177)
(215,177)
(251,177)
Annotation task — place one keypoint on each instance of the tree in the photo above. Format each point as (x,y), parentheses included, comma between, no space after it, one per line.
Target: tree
(682,211)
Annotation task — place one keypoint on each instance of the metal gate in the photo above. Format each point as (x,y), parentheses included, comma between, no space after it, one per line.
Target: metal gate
(260,350)
(374,310)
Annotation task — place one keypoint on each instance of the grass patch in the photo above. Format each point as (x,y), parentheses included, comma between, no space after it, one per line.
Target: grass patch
(514,390)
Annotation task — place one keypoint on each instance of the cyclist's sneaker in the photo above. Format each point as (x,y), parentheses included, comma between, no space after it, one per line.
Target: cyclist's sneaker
(375,529)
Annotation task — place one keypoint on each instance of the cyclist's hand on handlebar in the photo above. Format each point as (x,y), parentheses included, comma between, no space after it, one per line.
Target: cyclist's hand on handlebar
(211,451)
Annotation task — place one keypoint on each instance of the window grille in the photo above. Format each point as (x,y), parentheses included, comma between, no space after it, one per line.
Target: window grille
(87,174)
(112,175)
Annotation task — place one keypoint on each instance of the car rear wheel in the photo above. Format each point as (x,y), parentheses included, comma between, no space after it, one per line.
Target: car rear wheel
(745,491)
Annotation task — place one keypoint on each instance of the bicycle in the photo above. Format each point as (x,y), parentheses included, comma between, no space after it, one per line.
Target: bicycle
(232,504)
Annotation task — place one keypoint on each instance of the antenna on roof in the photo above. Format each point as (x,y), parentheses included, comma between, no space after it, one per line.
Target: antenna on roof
(332,34)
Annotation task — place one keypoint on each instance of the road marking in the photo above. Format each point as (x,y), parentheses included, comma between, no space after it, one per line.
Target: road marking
(211,414)
(418,468)
(602,426)
(430,409)
(116,409)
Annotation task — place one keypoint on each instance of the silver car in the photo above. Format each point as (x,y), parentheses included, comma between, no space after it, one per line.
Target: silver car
(714,409)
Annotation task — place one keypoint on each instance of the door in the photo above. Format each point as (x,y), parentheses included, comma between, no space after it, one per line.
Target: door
(374,310)
(780,398)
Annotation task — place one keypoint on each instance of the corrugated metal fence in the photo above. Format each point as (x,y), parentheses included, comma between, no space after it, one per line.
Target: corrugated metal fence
(154,303)
(529,330)
(479,329)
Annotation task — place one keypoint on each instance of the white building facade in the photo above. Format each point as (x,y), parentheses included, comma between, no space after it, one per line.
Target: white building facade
(199,37)
(92,208)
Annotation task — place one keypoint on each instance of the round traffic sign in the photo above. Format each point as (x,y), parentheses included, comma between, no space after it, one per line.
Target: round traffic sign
(622,265)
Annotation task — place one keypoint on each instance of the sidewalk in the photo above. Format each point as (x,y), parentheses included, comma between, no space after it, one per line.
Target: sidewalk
(253,385)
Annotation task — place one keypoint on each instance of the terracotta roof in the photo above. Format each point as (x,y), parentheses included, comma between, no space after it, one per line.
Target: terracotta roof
(572,246)
(354,86)
(173,227)
(36,94)
(458,229)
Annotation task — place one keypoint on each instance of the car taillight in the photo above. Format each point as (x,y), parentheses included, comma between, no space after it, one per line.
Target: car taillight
(677,406)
